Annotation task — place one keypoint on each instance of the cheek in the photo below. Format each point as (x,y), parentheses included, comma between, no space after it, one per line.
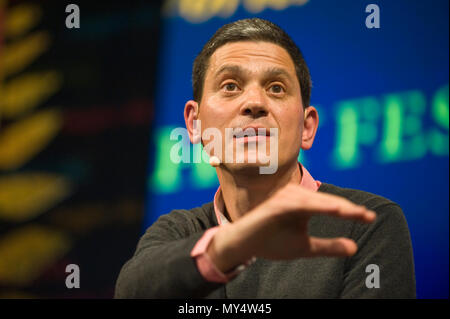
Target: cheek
(291,123)
(213,121)
(216,114)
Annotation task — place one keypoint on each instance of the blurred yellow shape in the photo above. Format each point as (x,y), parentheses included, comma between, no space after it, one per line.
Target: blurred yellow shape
(21,18)
(197,11)
(26,252)
(26,195)
(28,91)
(2,18)
(22,140)
(21,53)
(256,6)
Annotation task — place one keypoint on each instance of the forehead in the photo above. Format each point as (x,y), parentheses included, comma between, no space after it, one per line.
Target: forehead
(251,54)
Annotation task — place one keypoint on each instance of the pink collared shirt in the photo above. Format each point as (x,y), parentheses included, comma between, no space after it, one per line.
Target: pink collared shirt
(204,264)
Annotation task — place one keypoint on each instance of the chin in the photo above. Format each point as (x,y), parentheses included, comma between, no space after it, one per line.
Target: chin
(245,169)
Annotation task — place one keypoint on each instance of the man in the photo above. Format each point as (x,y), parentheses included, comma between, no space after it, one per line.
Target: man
(279,235)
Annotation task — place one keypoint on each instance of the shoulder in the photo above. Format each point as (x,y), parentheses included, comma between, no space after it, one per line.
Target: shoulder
(188,221)
(372,201)
(390,220)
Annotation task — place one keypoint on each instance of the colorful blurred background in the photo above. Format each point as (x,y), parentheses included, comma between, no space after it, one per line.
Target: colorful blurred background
(76,108)
(86,115)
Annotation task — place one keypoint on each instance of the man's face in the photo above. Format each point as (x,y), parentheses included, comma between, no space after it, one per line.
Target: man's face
(253,84)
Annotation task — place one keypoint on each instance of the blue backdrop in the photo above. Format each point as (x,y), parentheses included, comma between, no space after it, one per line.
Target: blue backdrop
(382,96)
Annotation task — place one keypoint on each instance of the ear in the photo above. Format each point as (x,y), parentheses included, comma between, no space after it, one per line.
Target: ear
(191,114)
(310,124)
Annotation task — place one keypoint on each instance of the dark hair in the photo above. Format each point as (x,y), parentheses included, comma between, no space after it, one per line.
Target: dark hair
(254,29)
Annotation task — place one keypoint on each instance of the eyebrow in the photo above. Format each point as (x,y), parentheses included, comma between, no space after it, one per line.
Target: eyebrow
(238,70)
(235,69)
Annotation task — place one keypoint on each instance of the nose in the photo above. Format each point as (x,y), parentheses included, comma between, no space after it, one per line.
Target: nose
(255,104)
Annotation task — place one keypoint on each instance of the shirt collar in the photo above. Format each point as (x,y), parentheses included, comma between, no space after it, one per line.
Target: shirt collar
(219,205)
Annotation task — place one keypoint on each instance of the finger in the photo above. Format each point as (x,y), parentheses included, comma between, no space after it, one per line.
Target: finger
(342,210)
(328,204)
(331,247)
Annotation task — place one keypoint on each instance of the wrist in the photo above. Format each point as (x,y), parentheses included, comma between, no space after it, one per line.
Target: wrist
(226,251)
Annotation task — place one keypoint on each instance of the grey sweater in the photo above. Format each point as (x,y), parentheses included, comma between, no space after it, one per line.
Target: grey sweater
(162,267)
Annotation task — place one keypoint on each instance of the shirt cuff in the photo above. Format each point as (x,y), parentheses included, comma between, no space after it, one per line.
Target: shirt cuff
(205,265)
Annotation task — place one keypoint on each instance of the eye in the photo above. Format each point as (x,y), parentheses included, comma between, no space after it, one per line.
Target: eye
(230,87)
(277,89)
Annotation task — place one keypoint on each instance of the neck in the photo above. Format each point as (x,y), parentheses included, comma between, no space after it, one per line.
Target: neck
(243,192)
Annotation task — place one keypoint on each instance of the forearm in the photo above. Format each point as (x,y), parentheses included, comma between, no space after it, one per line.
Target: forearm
(164,270)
